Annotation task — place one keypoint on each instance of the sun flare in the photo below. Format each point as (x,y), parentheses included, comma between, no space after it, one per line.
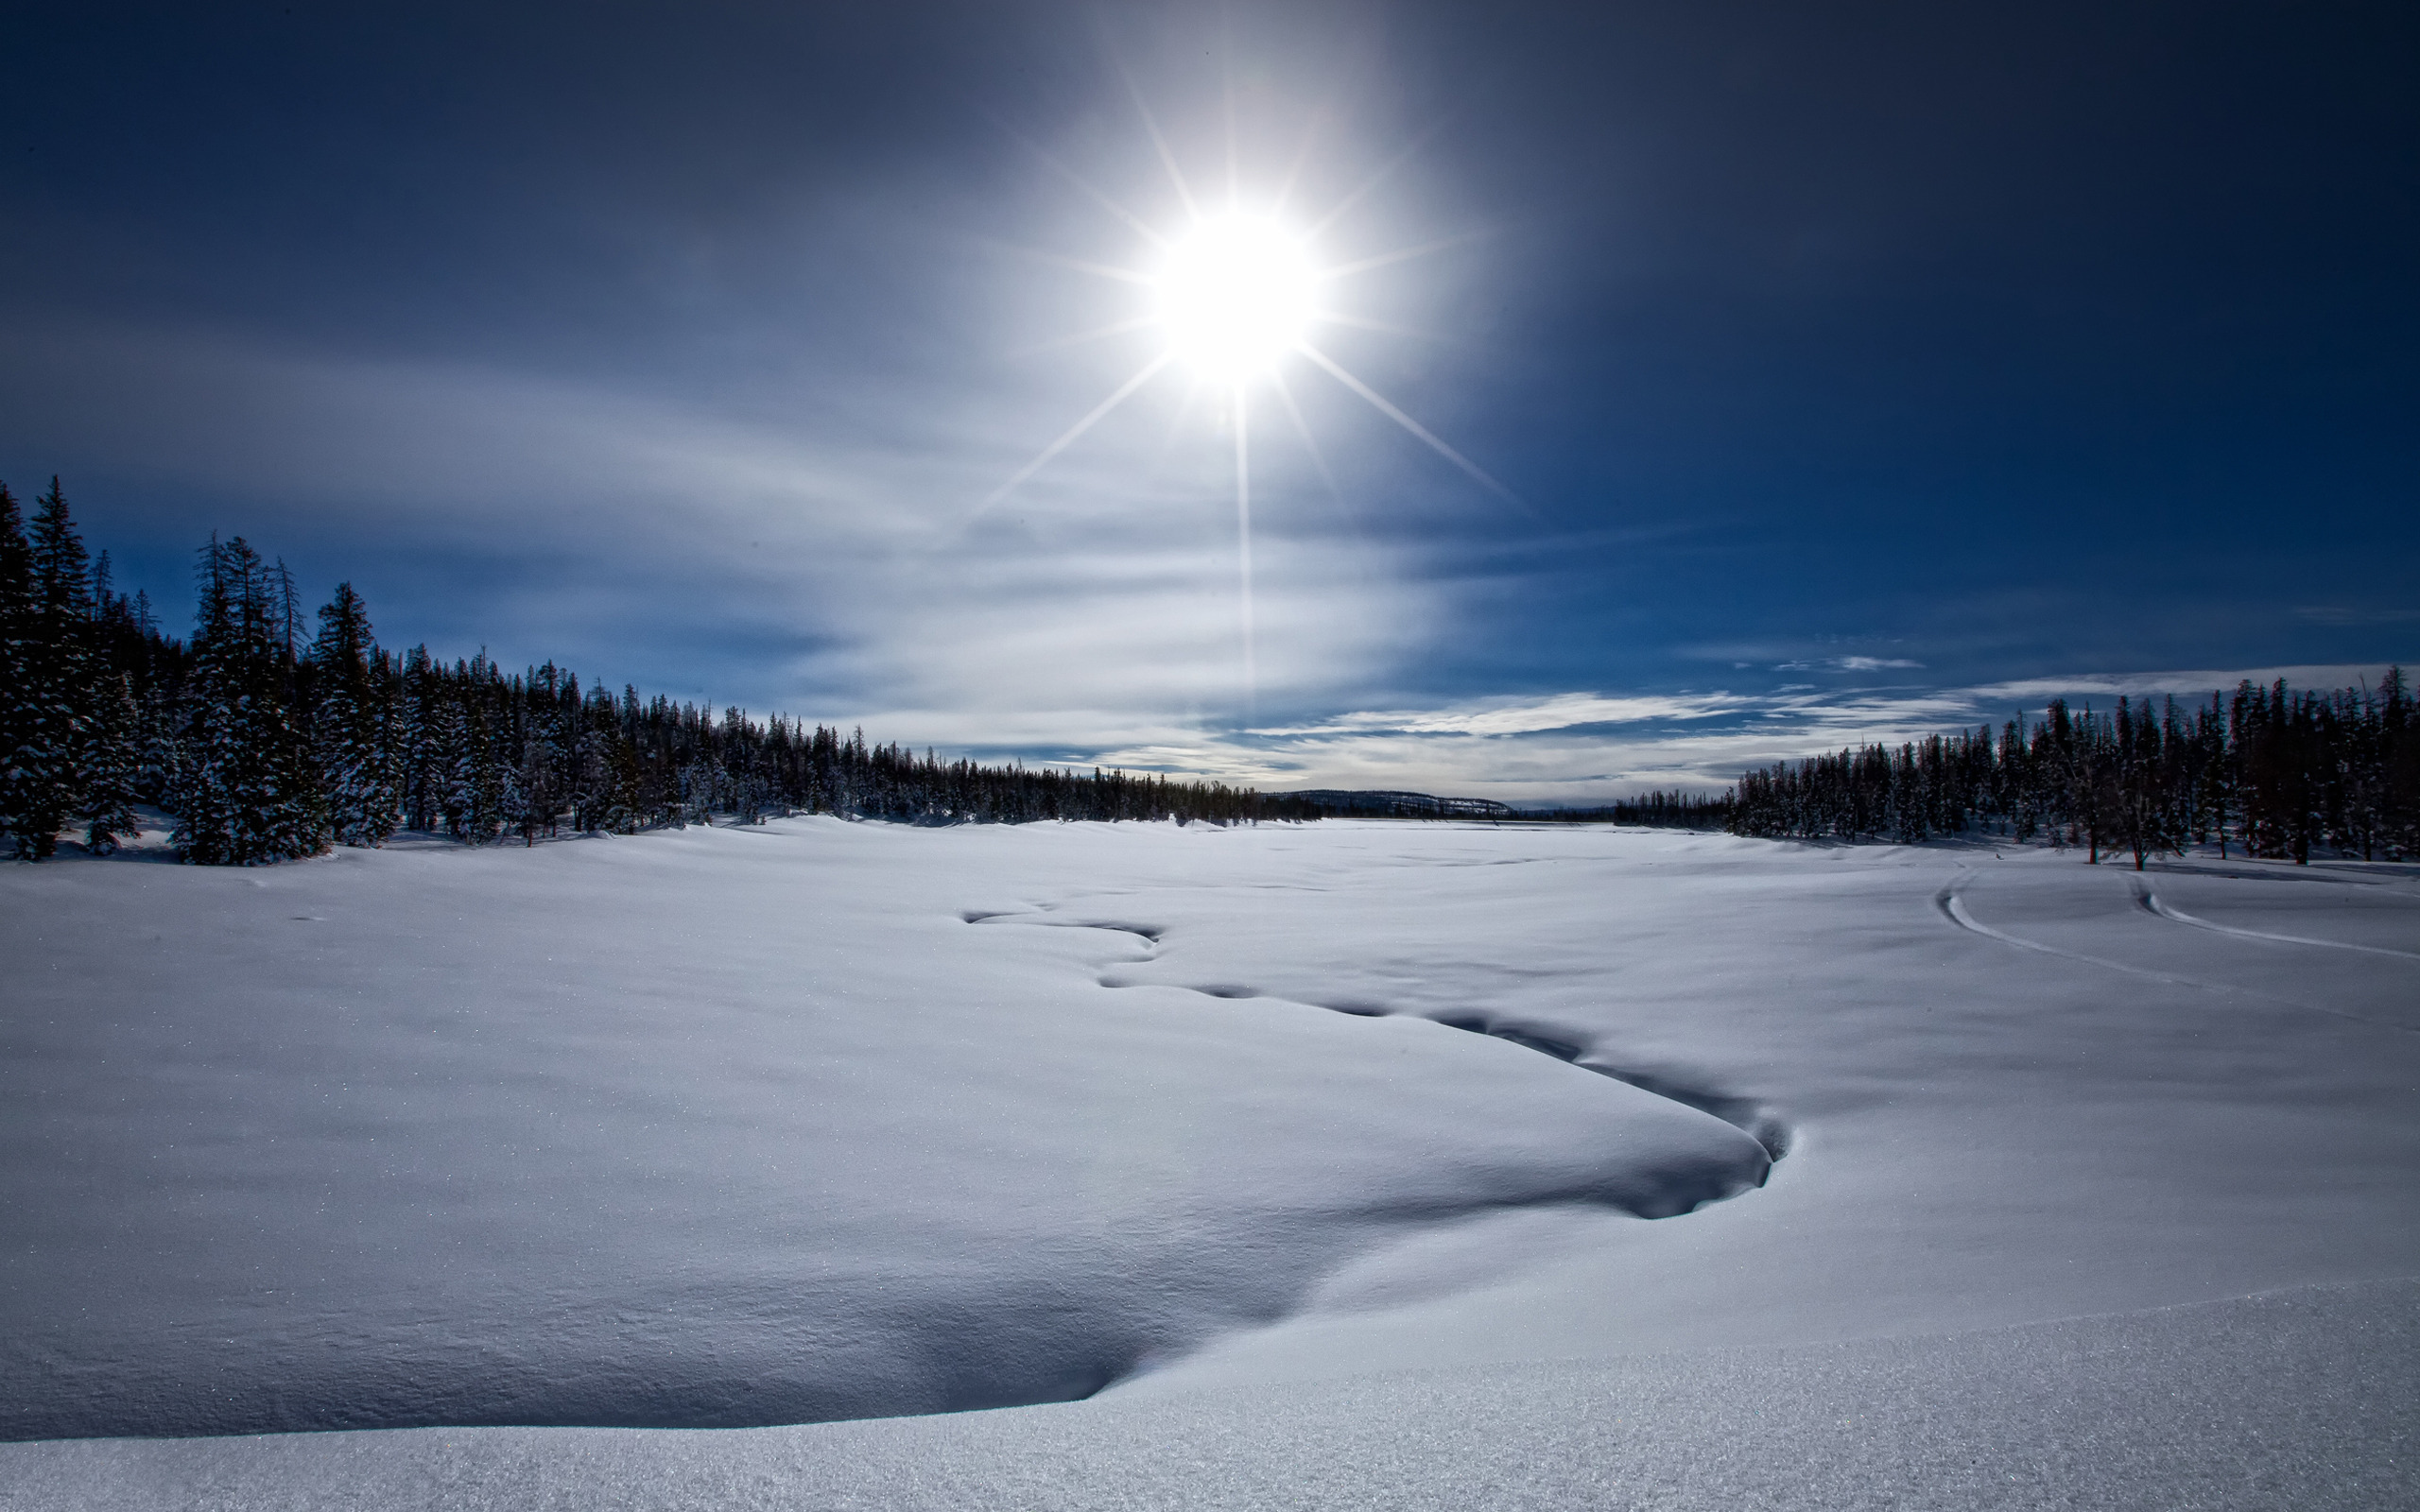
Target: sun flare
(1235,296)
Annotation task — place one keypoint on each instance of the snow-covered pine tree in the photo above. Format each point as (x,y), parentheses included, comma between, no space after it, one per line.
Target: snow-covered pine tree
(161,748)
(478,775)
(588,760)
(627,815)
(544,779)
(405,734)
(443,753)
(357,779)
(604,748)
(513,806)
(112,763)
(50,679)
(246,791)
(701,784)
(287,606)
(199,792)
(16,630)
(529,792)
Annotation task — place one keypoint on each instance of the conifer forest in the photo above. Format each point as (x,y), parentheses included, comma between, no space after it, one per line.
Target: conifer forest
(268,735)
(2272,772)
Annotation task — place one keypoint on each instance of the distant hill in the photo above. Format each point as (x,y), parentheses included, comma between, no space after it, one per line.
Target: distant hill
(1336,803)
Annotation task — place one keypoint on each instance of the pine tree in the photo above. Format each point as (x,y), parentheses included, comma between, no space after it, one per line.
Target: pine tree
(529,790)
(412,741)
(247,793)
(2399,764)
(348,725)
(50,676)
(161,752)
(445,748)
(112,760)
(16,634)
(478,775)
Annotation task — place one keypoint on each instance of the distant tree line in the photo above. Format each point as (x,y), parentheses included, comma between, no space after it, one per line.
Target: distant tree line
(1674,809)
(267,737)
(2277,772)
(1655,810)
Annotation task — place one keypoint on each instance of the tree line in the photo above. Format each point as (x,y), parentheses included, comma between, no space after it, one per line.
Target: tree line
(1656,809)
(2274,772)
(267,736)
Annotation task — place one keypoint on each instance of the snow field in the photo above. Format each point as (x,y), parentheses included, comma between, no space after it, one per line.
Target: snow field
(818,1120)
(730,1126)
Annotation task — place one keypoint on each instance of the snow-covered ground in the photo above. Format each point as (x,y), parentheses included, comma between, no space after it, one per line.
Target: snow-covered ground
(1387,1164)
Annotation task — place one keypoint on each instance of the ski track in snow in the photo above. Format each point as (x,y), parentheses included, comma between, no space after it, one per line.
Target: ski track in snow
(1750,1117)
(2152,903)
(1951,902)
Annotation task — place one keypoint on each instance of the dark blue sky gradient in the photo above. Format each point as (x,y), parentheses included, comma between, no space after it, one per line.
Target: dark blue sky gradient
(1846,360)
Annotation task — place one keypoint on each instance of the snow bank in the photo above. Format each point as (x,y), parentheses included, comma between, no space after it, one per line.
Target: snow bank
(2294,1400)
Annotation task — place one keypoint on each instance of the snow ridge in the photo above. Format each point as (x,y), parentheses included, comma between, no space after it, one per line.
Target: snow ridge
(1682,1189)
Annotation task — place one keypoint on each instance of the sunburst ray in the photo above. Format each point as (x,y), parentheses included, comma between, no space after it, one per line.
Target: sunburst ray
(1403,254)
(1243,537)
(1134,222)
(1098,333)
(1168,157)
(1078,264)
(1362,322)
(1310,442)
(1380,403)
(1361,191)
(1148,370)
(1302,158)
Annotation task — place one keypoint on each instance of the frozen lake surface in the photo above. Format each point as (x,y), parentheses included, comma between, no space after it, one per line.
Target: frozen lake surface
(1354,1163)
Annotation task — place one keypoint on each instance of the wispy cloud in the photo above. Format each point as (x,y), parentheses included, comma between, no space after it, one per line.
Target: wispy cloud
(2355,614)
(1514,716)
(831,560)
(2106,686)
(1585,746)
(1846,663)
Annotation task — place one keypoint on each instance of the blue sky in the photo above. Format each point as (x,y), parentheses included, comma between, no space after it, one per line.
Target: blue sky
(1851,370)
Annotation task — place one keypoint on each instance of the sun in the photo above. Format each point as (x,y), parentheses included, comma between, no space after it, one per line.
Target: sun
(1235,295)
